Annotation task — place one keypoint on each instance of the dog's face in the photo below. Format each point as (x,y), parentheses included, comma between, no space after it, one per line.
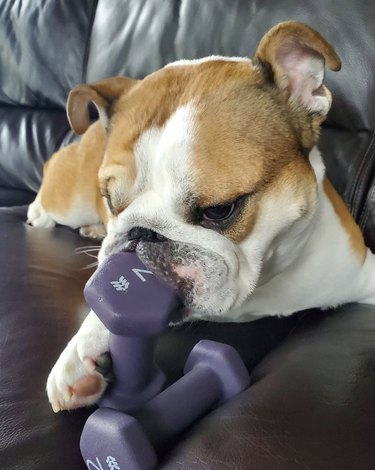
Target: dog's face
(206,171)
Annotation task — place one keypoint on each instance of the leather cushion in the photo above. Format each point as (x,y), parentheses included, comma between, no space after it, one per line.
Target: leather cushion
(44,50)
(310,403)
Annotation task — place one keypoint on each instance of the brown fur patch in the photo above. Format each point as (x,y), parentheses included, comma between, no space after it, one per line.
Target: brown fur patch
(295,181)
(347,221)
(158,96)
(72,173)
(244,142)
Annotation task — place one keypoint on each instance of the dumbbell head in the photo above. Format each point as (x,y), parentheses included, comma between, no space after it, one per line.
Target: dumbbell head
(225,362)
(128,298)
(115,440)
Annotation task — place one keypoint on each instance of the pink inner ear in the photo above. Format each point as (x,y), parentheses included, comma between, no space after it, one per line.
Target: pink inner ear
(303,71)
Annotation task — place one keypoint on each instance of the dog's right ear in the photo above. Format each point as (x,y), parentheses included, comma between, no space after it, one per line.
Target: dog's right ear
(102,94)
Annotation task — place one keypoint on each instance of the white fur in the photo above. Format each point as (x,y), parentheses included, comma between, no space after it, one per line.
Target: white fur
(325,271)
(75,362)
(37,216)
(78,215)
(184,62)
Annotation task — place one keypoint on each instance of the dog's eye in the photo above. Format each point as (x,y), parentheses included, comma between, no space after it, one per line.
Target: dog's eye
(221,216)
(109,202)
(217,213)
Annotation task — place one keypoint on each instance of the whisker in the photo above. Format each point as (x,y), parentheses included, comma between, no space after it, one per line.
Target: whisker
(90,265)
(88,247)
(91,256)
(88,250)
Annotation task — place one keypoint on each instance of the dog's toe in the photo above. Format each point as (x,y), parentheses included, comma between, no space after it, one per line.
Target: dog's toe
(74,380)
(94,231)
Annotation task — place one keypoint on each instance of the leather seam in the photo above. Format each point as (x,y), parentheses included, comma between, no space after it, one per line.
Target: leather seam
(366,205)
(354,206)
(366,212)
(88,42)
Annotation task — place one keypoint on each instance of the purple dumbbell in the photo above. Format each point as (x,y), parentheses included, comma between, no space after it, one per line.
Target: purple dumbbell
(136,306)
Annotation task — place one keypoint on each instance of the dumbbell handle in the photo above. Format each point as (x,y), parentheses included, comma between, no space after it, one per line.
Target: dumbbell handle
(132,360)
(137,377)
(178,406)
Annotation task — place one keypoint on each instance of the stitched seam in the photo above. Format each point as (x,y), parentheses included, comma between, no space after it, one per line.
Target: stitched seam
(88,42)
(356,185)
(366,205)
(366,211)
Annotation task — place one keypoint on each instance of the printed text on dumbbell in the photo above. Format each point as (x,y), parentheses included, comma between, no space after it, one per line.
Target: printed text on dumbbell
(110,461)
(123,284)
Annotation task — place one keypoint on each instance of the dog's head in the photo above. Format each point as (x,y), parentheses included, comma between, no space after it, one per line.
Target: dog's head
(206,170)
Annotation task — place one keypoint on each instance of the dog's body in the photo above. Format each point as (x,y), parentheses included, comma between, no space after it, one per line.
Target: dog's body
(211,174)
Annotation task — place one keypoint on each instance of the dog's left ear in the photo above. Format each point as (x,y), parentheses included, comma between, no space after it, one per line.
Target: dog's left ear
(293,56)
(102,94)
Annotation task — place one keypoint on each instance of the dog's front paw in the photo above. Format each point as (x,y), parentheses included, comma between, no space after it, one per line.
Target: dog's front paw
(93,231)
(74,380)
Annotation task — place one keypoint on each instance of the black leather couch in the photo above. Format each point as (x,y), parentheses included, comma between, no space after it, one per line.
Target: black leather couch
(312,400)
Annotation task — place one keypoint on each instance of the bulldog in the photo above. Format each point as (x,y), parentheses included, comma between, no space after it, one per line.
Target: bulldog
(209,170)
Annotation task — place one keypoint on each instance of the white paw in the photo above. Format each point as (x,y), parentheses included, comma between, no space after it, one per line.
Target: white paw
(95,231)
(37,216)
(73,382)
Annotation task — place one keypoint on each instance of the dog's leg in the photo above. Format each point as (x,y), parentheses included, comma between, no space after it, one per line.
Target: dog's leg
(69,194)
(37,216)
(94,231)
(74,381)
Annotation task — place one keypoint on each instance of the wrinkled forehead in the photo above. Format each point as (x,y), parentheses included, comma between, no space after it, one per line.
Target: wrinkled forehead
(163,155)
(157,97)
(193,125)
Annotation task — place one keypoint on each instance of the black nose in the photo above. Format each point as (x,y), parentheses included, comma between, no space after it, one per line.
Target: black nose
(140,233)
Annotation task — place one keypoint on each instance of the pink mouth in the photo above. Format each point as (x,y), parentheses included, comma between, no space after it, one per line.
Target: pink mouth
(181,265)
(193,272)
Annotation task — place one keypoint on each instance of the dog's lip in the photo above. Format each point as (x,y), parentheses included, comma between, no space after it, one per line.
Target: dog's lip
(130,245)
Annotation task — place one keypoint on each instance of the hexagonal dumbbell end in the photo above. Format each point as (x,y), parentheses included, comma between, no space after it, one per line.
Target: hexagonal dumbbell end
(115,441)
(128,298)
(225,362)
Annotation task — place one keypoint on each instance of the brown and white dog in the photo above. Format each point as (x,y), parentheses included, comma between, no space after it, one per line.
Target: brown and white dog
(208,170)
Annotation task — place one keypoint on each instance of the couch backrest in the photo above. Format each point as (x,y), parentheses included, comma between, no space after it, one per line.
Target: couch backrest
(50,46)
